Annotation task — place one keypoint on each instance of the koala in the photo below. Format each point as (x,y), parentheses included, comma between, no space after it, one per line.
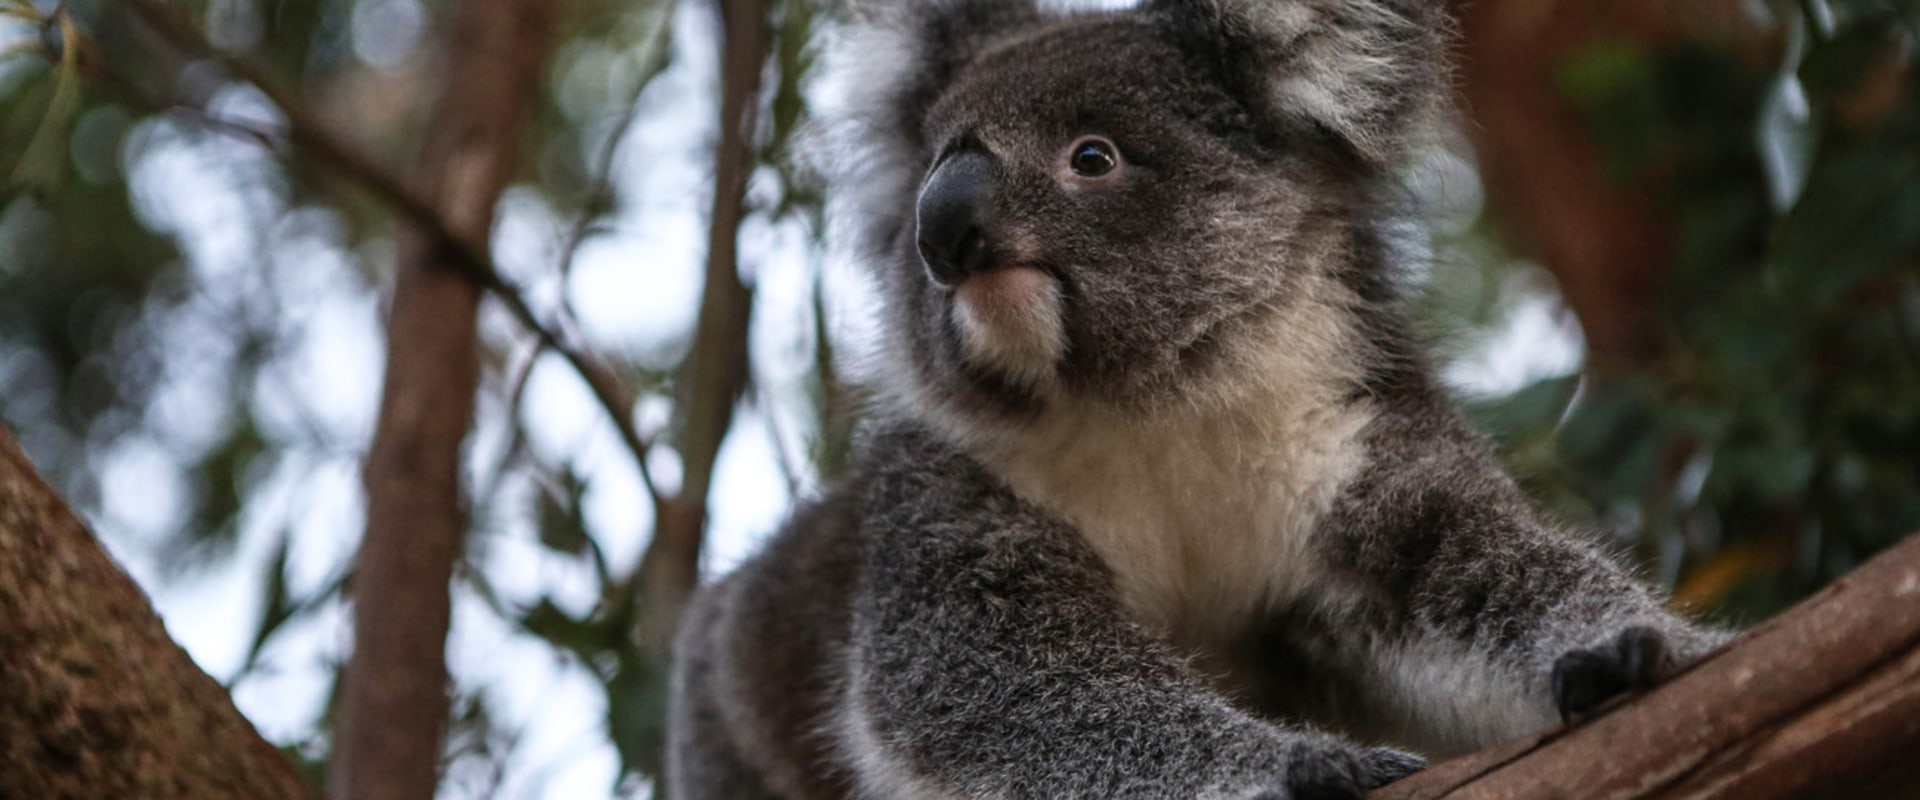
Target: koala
(1158,496)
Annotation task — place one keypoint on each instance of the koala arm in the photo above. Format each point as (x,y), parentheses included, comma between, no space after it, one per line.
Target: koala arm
(990,659)
(1481,622)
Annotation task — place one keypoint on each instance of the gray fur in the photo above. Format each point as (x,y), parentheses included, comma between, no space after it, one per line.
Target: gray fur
(1221,527)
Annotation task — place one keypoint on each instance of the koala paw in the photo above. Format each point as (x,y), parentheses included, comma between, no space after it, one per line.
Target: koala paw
(1330,771)
(1634,661)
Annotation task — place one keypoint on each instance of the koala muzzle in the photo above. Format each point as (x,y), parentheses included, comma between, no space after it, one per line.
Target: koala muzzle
(951,239)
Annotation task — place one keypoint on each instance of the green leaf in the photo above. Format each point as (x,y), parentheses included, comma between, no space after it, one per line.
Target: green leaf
(276,606)
(1856,222)
(589,639)
(1535,407)
(40,166)
(562,520)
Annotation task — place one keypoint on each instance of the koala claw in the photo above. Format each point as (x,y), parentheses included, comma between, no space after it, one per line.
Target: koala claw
(1380,766)
(1347,775)
(1634,661)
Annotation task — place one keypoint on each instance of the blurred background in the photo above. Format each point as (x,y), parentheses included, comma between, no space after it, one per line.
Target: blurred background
(1675,267)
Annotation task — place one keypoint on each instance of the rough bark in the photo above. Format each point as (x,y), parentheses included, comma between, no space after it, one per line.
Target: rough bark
(715,372)
(1821,702)
(395,703)
(95,699)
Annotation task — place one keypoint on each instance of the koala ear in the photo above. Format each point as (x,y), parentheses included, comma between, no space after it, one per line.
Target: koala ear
(892,58)
(1370,72)
(884,64)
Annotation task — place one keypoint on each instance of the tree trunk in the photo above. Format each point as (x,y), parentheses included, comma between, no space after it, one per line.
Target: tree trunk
(1822,702)
(95,699)
(395,703)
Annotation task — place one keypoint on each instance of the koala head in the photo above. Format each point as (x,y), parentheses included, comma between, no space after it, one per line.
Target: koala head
(1117,206)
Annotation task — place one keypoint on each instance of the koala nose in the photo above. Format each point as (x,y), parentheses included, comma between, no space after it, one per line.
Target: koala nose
(950,238)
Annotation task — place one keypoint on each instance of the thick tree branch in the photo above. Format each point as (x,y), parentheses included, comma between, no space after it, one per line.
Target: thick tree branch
(394,703)
(97,701)
(1822,702)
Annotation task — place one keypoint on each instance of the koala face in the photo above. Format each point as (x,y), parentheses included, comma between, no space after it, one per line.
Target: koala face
(1072,222)
(1108,205)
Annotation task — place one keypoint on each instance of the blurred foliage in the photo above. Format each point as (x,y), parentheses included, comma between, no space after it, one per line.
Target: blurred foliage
(1770,446)
(1774,442)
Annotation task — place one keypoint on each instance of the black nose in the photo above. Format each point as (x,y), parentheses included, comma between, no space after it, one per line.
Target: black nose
(950,237)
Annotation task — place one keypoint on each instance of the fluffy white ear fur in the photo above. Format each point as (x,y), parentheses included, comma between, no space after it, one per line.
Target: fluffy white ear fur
(855,141)
(1370,71)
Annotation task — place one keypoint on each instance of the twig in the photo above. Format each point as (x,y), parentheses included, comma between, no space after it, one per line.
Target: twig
(715,372)
(602,192)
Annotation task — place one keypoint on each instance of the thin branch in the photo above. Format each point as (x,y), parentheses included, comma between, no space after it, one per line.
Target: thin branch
(784,457)
(715,372)
(601,194)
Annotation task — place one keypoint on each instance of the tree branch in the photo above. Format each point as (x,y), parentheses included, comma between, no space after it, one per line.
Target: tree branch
(394,700)
(1821,702)
(98,701)
(714,375)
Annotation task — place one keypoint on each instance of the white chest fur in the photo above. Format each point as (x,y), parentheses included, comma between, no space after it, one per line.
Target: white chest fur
(1204,519)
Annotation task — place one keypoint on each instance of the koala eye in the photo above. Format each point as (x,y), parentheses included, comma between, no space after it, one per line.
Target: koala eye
(1093,157)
